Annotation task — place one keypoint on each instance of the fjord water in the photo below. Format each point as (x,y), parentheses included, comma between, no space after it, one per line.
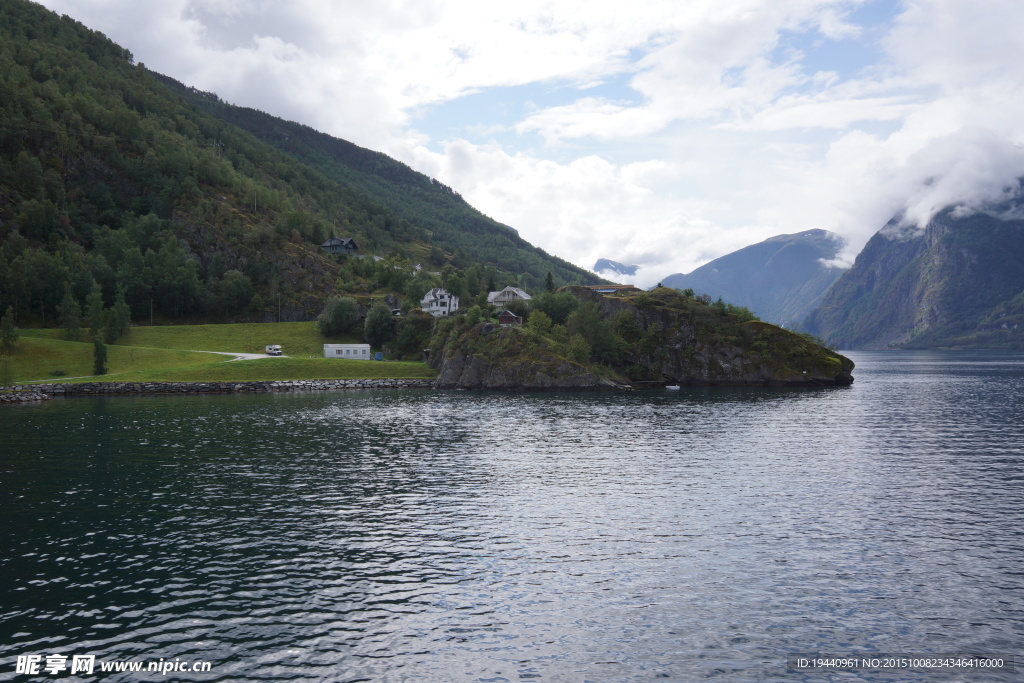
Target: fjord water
(387,536)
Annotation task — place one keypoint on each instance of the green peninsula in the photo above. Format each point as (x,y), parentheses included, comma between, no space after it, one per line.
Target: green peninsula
(629,338)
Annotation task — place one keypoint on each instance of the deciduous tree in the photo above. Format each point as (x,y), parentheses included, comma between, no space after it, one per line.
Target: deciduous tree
(380,325)
(340,315)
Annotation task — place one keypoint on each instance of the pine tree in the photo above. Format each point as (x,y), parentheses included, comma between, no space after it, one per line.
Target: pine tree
(99,354)
(8,332)
(118,318)
(70,315)
(94,309)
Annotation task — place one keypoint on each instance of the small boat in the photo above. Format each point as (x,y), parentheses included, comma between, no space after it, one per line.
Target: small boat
(671,387)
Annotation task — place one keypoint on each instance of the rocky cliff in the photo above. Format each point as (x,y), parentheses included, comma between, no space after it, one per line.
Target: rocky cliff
(660,337)
(956,283)
(487,356)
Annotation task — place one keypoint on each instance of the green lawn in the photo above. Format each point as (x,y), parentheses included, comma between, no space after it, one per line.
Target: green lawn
(279,369)
(36,358)
(295,339)
(172,353)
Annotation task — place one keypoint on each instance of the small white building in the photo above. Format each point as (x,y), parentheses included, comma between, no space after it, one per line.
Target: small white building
(347,351)
(438,302)
(506,296)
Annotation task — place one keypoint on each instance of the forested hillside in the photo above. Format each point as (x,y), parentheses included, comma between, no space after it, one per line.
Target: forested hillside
(111,177)
(450,223)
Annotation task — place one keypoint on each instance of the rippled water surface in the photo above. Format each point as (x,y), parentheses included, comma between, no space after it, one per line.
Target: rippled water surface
(391,536)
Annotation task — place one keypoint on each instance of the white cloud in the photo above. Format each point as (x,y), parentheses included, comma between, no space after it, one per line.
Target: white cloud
(589,208)
(956,80)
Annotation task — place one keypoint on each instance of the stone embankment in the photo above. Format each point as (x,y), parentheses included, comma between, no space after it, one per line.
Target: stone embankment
(21,396)
(45,391)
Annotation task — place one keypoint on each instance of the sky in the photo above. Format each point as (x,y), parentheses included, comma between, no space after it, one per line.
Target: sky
(660,134)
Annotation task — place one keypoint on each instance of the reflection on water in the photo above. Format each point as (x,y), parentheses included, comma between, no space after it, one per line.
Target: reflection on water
(463,536)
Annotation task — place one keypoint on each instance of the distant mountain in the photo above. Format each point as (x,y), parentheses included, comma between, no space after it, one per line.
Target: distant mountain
(959,284)
(781,279)
(604,265)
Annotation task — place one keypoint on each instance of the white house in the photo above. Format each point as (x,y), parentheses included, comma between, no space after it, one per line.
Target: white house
(438,302)
(506,296)
(347,351)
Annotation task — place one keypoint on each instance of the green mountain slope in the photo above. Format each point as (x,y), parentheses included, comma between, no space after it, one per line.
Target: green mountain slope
(448,221)
(110,176)
(959,284)
(780,279)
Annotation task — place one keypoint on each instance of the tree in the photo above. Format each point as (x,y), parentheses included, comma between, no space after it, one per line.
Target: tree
(232,293)
(474,314)
(380,324)
(579,349)
(99,354)
(119,318)
(549,282)
(539,323)
(626,326)
(557,306)
(8,332)
(586,322)
(97,329)
(520,308)
(605,343)
(94,308)
(340,315)
(70,314)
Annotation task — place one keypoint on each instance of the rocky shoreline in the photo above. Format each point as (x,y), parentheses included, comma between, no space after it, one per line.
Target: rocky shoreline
(8,395)
(42,392)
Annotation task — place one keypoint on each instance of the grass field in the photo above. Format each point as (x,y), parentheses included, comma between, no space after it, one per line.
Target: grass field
(295,339)
(173,353)
(278,369)
(39,358)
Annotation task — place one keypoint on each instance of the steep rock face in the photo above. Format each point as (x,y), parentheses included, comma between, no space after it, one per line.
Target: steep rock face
(781,279)
(949,285)
(490,357)
(671,340)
